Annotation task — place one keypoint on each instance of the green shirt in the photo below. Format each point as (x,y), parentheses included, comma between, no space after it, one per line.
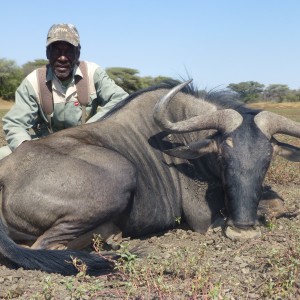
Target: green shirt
(26,114)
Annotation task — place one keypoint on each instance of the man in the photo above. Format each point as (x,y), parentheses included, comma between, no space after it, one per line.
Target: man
(32,117)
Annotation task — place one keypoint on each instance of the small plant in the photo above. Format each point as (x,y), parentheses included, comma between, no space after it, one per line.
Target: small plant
(69,284)
(285,269)
(125,253)
(80,266)
(269,223)
(48,289)
(178,220)
(98,243)
(127,259)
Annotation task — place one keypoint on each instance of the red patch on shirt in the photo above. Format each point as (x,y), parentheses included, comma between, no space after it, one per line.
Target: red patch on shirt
(76,103)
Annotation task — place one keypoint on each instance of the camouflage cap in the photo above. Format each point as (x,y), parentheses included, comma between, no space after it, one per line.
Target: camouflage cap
(63,32)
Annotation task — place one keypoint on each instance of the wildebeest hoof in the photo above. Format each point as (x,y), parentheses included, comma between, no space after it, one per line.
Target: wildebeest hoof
(113,245)
(271,205)
(237,234)
(275,208)
(114,241)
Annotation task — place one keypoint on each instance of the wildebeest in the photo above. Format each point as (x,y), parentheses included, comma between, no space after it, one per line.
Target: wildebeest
(161,155)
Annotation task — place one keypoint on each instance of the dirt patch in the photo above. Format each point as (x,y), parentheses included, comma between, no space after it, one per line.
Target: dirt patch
(6,104)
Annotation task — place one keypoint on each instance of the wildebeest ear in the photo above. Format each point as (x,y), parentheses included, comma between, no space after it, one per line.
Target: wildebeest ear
(194,150)
(286,151)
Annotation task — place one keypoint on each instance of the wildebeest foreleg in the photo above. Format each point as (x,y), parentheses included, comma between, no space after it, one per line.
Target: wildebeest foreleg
(272,205)
(54,240)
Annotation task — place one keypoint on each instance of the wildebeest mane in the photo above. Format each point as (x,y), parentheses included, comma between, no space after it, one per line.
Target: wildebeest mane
(227,99)
(166,84)
(221,98)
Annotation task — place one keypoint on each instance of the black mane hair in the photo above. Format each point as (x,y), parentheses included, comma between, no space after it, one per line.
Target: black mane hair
(221,98)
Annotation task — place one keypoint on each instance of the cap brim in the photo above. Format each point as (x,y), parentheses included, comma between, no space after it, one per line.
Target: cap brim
(53,40)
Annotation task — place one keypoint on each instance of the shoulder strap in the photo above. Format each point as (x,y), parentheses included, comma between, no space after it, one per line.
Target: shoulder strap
(45,94)
(82,86)
(45,90)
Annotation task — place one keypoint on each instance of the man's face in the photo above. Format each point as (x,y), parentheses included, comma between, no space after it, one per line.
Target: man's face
(63,57)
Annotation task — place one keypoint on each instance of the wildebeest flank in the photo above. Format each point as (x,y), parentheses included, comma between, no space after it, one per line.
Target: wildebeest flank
(164,154)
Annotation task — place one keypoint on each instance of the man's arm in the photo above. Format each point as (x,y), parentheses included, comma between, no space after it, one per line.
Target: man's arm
(108,93)
(20,118)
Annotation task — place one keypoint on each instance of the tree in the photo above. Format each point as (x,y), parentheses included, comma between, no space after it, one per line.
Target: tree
(148,81)
(249,91)
(292,96)
(10,77)
(32,65)
(129,80)
(126,78)
(277,92)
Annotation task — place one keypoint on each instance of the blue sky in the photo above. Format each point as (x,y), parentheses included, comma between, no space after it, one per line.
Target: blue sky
(214,42)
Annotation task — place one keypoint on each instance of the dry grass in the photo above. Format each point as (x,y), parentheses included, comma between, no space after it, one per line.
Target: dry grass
(271,105)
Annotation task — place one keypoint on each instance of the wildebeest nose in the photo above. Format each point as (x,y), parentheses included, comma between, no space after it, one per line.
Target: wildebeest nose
(242,225)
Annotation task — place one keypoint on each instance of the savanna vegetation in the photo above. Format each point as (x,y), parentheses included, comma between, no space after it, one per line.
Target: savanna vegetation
(11,76)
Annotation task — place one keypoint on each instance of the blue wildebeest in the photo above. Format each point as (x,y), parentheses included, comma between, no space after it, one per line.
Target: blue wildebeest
(163,154)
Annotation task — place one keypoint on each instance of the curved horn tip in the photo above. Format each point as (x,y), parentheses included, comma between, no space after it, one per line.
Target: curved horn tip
(175,90)
(181,86)
(188,82)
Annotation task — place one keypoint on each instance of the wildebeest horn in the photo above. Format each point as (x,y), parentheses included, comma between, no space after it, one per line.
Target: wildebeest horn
(160,108)
(223,120)
(270,124)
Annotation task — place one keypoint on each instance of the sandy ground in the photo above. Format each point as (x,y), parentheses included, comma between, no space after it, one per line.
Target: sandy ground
(5,104)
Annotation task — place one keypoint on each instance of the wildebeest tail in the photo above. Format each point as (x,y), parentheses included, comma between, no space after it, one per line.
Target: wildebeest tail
(51,261)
